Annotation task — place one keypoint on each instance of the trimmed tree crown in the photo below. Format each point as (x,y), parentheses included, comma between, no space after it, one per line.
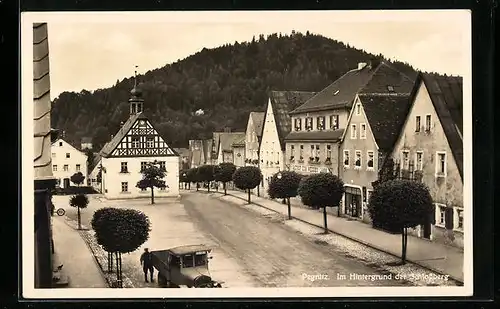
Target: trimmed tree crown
(247,177)
(401,203)
(79,200)
(77,178)
(120,230)
(206,173)
(152,177)
(284,186)
(321,190)
(224,172)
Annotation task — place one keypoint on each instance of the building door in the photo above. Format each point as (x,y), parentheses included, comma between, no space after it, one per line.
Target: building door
(353,202)
(66,182)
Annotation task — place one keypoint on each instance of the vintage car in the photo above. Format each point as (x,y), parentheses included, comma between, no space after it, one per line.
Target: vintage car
(184,266)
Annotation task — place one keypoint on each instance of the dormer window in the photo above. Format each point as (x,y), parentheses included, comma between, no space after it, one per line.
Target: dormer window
(358,109)
(320,123)
(309,123)
(334,122)
(390,88)
(298,124)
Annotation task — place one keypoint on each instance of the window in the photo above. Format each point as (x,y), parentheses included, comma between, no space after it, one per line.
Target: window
(54,168)
(405,159)
(200,259)
(320,123)
(292,152)
(362,134)
(369,161)
(150,142)
(358,109)
(78,167)
(428,123)
(68,155)
(346,158)
(135,142)
(328,152)
(354,132)
(417,124)
(188,260)
(442,215)
(144,165)
(312,151)
(60,143)
(441,164)
(53,155)
(357,163)
(298,124)
(123,167)
(162,166)
(301,152)
(317,151)
(309,123)
(419,156)
(124,186)
(460,219)
(65,167)
(334,122)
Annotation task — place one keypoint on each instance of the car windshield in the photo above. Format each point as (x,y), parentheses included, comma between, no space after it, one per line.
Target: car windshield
(200,259)
(187,260)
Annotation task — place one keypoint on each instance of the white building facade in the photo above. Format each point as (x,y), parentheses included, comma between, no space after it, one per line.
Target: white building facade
(66,161)
(136,145)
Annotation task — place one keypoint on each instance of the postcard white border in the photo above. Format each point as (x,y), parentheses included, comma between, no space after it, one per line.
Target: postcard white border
(28,18)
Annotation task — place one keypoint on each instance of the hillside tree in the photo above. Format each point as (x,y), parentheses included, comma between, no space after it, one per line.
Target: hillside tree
(247,178)
(224,173)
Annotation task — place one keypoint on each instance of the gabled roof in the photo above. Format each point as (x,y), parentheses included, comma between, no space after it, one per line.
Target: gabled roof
(97,158)
(282,103)
(111,145)
(341,93)
(239,142)
(226,140)
(327,136)
(446,94)
(386,116)
(69,143)
(258,122)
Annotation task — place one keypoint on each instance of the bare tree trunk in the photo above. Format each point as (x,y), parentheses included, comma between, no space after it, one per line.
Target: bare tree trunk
(324,220)
(258,190)
(225,190)
(209,187)
(152,195)
(248,196)
(289,210)
(79,219)
(110,262)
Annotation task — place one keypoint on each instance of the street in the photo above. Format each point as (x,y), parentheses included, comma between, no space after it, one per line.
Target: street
(249,250)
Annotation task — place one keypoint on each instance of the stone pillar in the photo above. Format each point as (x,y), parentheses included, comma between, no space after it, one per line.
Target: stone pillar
(43,178)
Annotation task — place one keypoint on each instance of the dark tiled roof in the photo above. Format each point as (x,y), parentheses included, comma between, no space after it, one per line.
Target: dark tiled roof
(97,158)
(258,122)
(328,135)
(347,86)
(228,139)
(386,116)
(386,75)
(447,97)
(282,103)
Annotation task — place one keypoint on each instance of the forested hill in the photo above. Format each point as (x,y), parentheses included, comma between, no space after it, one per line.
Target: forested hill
(227,83)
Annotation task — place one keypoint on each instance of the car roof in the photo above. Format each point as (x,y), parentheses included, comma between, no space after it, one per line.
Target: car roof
(181,250)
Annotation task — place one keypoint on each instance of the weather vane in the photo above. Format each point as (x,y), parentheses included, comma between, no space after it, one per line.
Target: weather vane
(135,76)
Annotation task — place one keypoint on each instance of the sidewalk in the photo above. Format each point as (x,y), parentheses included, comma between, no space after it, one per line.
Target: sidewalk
(72,251)
(437,257)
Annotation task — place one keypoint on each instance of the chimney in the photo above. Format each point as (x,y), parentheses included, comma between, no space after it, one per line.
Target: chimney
(112,136)
(361,65)
(121,124)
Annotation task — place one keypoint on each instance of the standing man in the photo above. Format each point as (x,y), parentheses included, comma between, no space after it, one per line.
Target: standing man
(147,265)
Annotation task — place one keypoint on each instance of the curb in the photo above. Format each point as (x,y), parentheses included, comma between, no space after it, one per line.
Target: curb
(458,281)
(126,281)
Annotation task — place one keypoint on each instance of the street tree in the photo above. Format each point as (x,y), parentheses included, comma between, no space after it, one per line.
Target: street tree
(284,185)
(121,230)
(79,201)
(94,224)
(152,177)
(401,204)
(320,191)
(247,178)
(224,173)
(206,174)
(77,178)
(192,175)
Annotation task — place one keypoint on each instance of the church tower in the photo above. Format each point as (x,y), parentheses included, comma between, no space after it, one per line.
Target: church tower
(136,101)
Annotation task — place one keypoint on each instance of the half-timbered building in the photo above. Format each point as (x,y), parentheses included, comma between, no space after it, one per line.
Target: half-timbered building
(136,145)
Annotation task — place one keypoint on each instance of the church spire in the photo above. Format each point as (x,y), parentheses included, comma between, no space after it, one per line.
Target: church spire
(136,101)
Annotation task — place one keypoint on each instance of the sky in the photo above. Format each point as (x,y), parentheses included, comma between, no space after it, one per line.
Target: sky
(91,51)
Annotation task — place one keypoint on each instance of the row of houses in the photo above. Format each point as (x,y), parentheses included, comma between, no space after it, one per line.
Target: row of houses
(374,117)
